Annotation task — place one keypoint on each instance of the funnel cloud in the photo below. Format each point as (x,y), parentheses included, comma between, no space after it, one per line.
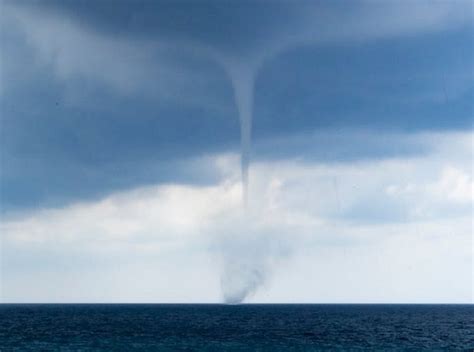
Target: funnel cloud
(243,84)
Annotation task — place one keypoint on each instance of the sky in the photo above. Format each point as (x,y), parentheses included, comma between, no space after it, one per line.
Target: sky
(121,143)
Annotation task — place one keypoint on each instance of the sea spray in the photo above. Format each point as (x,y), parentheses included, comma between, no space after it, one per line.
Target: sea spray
(244,270)
(249,252)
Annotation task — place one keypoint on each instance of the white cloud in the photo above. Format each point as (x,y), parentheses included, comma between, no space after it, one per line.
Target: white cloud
(454,184)
(387,230)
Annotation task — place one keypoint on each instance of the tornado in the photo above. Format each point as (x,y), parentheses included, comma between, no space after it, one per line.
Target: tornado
(243,82)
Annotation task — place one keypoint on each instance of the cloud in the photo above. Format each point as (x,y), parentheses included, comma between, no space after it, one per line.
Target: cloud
(360,22)
(79,47)
(77,53)
(151,243)
(296,208)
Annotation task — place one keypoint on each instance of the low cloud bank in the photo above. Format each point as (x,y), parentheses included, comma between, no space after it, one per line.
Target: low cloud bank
(296,207)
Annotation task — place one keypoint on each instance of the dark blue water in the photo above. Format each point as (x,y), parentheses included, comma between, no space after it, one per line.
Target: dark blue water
(236,328)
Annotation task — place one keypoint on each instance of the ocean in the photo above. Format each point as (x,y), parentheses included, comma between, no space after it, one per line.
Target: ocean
(246,327)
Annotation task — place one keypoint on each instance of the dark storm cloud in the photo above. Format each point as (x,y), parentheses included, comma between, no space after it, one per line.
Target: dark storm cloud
(102,96)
